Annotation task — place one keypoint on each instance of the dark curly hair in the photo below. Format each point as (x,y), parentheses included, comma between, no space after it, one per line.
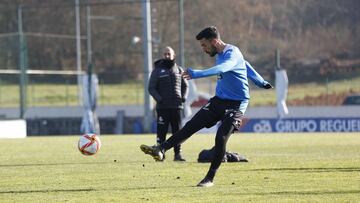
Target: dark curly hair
(208,33)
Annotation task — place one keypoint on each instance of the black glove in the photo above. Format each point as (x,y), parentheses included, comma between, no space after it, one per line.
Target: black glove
(268,85)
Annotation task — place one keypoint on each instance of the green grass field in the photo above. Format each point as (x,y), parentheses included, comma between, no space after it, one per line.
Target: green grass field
(282,168)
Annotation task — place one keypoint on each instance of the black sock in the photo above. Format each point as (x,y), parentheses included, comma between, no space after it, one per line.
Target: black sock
(161,148)
(211,174)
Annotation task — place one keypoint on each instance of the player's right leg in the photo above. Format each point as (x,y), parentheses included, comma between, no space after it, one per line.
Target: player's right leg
(203,118)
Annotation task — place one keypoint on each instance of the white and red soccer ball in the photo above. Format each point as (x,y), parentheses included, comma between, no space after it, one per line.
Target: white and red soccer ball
(89,144)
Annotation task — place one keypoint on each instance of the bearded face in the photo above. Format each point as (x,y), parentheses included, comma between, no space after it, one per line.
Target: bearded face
(208,46)
(212,51)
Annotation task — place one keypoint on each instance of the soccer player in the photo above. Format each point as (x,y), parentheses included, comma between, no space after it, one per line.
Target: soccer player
(228,105)
(169,89)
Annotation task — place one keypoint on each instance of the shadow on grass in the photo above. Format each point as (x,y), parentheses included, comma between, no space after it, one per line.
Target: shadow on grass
(87,190)
(87,163)
(52,164)
(322,169)
(315,192)
(46,191)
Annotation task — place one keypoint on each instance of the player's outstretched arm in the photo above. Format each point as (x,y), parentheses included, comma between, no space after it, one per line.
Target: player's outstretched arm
(256,77)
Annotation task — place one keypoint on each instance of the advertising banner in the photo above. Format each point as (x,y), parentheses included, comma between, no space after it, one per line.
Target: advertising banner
(301,125)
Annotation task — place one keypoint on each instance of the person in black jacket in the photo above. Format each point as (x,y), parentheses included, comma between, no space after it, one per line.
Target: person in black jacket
(169,89)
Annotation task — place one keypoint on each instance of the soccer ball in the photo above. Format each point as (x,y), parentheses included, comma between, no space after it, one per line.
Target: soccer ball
(89,144)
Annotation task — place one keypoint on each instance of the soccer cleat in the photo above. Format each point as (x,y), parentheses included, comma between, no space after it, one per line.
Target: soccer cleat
(206,182)
(162,159)
(153,151)
(178,157)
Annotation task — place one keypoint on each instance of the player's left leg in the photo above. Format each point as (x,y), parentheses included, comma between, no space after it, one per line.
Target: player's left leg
(231,121)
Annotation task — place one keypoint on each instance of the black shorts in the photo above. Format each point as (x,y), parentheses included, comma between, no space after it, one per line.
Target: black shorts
(218,110)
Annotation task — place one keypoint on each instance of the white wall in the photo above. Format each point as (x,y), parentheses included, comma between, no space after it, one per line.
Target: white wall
(12,128)
(134,110)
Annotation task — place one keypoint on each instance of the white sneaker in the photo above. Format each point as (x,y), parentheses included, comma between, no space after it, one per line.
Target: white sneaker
(205,183)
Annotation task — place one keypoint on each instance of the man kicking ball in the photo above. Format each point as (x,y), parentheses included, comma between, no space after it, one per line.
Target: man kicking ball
(228,105)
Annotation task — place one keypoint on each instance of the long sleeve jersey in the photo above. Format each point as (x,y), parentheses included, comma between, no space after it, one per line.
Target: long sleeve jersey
(233,72)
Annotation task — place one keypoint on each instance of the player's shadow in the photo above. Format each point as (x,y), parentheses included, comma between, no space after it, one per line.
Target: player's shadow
(89,189)
(320,169)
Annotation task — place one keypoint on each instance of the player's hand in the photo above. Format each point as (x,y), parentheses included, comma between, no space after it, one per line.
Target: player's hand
(267,85)
(186,75)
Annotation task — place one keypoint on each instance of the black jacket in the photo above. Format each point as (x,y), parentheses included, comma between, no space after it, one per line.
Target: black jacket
(167,86)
